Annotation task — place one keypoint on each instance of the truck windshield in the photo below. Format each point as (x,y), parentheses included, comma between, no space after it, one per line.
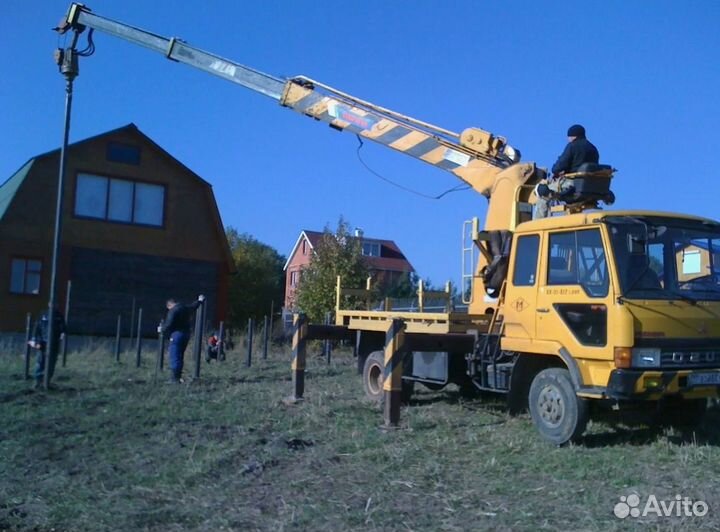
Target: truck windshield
(666,258)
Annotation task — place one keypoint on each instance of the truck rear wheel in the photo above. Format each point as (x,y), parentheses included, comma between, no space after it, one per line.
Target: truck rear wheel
(374,375)
(559,415)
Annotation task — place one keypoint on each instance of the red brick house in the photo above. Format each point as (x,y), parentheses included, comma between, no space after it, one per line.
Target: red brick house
(384,259)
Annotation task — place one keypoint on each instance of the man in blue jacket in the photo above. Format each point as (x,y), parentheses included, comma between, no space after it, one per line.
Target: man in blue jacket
(176,327)
(578,151)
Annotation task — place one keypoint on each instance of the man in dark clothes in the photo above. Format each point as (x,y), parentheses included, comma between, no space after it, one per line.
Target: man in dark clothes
(177,327)
(39,341)
(578,151)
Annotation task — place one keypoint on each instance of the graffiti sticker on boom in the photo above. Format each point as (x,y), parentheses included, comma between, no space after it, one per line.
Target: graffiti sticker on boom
(347,114)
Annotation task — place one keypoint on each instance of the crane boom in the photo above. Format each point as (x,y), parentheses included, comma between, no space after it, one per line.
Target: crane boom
(475,156)
(80,17)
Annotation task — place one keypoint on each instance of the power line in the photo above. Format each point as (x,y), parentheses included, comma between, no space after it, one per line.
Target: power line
(403,187)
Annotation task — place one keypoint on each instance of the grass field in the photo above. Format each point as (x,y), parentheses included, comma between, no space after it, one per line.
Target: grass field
(109,449)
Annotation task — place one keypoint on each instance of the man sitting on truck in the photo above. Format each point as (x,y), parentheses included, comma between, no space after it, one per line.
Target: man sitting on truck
(578,151)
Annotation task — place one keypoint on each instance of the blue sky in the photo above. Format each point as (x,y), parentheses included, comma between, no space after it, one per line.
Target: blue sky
(642,76)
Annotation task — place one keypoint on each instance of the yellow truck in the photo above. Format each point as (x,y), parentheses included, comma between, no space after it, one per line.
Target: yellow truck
(585,305)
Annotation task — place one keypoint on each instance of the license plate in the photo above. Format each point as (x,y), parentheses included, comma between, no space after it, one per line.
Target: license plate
(704,379)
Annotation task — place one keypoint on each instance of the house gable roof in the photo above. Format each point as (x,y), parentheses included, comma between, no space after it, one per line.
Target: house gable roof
(394,259)
(313,237)
(131,127)
(11,186)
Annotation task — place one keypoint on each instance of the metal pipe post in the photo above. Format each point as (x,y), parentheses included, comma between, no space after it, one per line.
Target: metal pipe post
(64,348)
(197,343)
(221,342)
(117,338)
(327,346)
(67,60)
(138,347)
(392,379)
(265,337)
(67,314)
(299,344)
(248,360)
(28,333)
(161,352)
(162,346)
(132,321)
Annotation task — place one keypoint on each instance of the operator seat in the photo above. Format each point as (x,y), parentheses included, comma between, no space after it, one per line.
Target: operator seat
(590,183)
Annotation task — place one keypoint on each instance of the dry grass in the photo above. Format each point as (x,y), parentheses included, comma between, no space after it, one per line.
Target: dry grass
(111,450)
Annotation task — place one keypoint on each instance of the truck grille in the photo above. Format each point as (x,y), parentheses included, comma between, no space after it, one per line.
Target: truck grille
(678,359)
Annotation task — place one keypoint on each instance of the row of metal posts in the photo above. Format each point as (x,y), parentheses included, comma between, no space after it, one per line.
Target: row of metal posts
(197,345)
(394,352)
(250,338)
(64,345)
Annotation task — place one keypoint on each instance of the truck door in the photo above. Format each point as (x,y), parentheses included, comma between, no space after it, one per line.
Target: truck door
(521,290)
(574,296)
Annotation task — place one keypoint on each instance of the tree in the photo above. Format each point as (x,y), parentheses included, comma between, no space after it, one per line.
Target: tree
(336,254)
(404,286)
(259,279)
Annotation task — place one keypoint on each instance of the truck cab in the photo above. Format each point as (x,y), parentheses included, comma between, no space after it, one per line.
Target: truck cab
(620,305)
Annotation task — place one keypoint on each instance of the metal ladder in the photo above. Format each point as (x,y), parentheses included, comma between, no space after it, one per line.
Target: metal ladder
(490,345)
(469,255)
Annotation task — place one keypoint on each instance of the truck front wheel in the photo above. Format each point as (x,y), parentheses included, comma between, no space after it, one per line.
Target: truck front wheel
(559,415)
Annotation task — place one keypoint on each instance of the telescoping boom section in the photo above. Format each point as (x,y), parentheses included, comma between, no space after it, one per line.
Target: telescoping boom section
(475,156)
(482,160)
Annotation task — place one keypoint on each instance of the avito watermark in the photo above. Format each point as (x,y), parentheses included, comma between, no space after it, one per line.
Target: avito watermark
(631,506)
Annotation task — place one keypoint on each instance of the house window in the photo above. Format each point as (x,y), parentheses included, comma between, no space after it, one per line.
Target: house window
(371,249)
(25,276)
(691,262)
(293,278)
(119,200)
(123,153)
(304,247)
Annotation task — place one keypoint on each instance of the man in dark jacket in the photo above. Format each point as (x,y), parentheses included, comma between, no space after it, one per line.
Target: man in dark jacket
(578,151)
(176,327)
(39,341)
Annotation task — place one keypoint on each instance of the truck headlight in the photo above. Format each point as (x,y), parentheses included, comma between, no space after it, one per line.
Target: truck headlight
(646,357)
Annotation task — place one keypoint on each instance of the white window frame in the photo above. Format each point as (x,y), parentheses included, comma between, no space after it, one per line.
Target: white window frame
(373,247)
